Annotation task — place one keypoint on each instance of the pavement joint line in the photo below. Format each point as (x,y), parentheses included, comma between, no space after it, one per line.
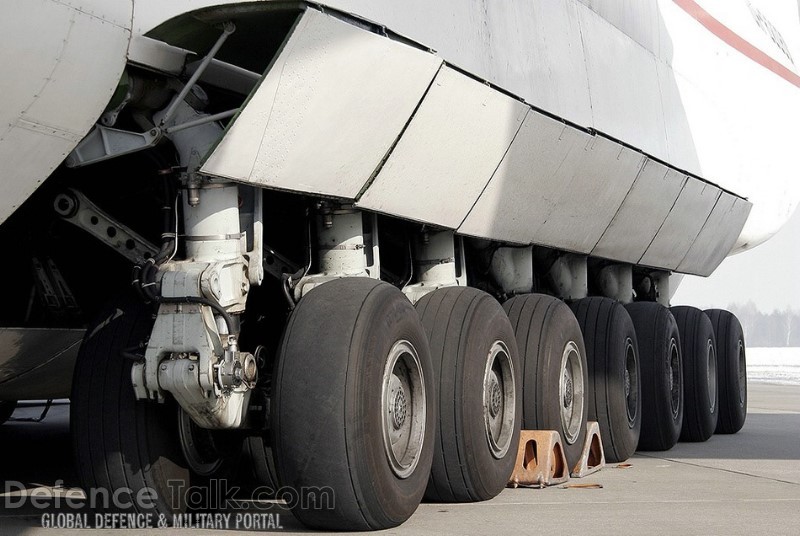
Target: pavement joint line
(665,501)
(721,469)
(529,504)
(767,411)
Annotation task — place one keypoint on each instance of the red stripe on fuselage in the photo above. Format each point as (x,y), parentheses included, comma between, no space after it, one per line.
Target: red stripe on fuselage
(734,40)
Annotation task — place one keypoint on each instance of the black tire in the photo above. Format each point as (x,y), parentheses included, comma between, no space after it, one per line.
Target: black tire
(474,355)
(262,328)
(551,346)
(731,371)
(341,349)
(662,375)
(700,393)
(613,396)
(210,454)
(118,441)
(258,467)
(7,408)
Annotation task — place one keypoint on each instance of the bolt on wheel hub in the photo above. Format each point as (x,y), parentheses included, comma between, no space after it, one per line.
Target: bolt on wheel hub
(496,396)
(627,383)
(568,394)
(399,409)
(571,393)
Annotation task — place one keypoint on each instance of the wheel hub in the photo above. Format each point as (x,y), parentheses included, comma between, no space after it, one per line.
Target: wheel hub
(571,391)
(403,408)
(742,373)
(399,409)
(199,446)
(631,380)
(496,396)
(499,399)
(568,387)
(711,376)
(674,373)
(627,383)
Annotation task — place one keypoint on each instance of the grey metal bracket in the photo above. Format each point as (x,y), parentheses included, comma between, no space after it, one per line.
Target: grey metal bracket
(77,209)
(276,264)
(104,143)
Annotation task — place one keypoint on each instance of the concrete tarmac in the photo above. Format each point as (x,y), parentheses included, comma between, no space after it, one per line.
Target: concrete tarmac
(748,483)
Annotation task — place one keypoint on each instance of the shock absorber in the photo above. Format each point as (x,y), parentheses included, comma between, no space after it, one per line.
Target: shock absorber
(344,249)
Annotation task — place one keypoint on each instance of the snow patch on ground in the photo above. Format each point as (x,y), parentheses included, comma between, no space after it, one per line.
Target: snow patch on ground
(779,366)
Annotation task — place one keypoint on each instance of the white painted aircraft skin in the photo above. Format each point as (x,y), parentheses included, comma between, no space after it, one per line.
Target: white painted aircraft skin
(62,61)
(682,95)
(654,76)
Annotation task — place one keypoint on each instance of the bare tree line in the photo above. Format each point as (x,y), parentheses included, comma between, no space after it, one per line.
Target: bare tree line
(777,329)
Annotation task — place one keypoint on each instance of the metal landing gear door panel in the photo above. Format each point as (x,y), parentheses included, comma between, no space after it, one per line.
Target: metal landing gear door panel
(327,112)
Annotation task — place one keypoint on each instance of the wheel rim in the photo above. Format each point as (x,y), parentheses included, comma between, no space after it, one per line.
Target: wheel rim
(742,373)
(712,376)
(631,383)
(571,393)
(675,377)
(198,446)
(403,408)
(499,399)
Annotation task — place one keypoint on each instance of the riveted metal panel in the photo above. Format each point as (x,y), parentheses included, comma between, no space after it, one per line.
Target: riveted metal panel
(546,66)
(647,73)
(591,195)
(718,236)
(642,213)
(557,186)
(682,226)
(448,153)
(529,182)
(681,148)
(327,112)
(624,86)
(62,63)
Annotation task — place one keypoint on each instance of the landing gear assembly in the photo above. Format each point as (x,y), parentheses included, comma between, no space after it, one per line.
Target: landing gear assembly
(366,363)
(662,375)
(615,375)
(731,371)
(353,410)
(477,382)
(701,395)
(554,369)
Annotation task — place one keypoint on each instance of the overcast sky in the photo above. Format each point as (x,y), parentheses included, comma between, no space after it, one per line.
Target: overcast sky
(769,275)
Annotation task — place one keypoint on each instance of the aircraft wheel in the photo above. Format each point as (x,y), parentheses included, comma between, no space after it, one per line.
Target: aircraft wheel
(662,375)
(731,371)
(700,395)
(614,396)
(553,369)
(121,443)
(353,413)
(258,467)
(209,453)
(476,366)
(7,408)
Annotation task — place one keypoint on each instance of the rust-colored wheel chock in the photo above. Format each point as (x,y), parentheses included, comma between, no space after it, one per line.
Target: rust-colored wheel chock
(592,458)
(541,461)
